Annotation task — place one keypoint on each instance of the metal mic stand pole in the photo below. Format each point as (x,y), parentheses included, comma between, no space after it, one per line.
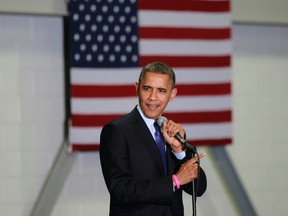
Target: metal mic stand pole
(194,195)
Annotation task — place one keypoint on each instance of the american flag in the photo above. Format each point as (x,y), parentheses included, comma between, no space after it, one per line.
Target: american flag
(111,40)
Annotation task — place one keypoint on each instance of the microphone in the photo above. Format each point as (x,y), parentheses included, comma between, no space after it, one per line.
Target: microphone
(178,137)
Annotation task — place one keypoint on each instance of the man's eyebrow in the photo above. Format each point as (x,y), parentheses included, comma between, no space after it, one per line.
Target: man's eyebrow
(147,86)
(162,89)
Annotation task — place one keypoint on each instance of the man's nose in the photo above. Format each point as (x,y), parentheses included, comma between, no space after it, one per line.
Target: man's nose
(153,95)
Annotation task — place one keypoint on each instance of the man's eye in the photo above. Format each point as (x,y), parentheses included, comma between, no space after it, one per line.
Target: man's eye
(146,88)
(162,90)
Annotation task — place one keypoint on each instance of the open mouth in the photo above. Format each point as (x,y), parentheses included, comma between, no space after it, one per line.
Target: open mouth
(152,106)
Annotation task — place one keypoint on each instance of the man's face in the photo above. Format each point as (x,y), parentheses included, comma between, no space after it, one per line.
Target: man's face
(154,92)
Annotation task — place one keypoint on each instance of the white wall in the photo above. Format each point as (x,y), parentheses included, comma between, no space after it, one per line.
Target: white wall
(249,11)
(44,7)
(31,107)
(32,119)
(260,11)
(260,74)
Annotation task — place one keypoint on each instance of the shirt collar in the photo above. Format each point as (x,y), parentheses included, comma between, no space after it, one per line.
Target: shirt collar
(148,121)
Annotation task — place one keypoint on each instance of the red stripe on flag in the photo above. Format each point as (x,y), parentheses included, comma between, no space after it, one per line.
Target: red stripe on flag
(83,147)
(204,89)
(183,117)
(210,142)
(184,33)
(88,91)
(188,61)
(184,5)
(94,91)
(201,117)
(82,120)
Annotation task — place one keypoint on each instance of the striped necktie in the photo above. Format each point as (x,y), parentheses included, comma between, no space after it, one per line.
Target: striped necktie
(161,145)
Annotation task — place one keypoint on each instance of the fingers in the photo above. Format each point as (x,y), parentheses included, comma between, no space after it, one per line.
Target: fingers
(202,154)
(171,128)
(193,162)
(196,159)
(189,170)
(193,165)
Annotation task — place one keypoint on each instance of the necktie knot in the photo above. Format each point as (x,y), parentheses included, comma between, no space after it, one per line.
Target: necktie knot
(157,127)
(158,134)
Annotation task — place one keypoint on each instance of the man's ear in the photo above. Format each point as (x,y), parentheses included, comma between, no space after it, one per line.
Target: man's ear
(136,88)
(173,94)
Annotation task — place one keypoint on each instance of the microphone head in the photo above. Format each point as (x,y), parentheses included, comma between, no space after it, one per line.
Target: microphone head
(161,120)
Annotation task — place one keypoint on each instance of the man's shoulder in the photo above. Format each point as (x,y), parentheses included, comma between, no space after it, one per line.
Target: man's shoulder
(126,118)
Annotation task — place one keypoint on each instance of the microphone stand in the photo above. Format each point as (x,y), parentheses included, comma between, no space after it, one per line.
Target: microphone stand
(194,195)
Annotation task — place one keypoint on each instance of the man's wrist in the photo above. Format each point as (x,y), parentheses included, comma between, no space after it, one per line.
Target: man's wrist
(176,182)
(179,155)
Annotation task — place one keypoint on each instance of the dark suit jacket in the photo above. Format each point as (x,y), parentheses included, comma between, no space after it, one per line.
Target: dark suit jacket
(133,171)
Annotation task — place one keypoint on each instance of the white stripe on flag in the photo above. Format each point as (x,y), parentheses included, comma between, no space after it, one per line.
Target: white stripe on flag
(197,103)
(185,47)
(103,105)
(183,19)
(102,76)
(124,105)
(208,131)
(202,75)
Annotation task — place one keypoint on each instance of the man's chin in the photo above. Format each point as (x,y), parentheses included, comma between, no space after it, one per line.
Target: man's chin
(152,115)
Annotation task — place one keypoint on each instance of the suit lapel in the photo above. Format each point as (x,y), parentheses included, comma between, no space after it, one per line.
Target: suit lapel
(144,135)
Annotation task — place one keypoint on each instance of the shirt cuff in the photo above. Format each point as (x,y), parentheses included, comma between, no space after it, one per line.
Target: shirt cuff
(180,155)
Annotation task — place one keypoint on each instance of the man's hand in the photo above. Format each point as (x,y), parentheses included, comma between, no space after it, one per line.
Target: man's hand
(169,130)
(189,170)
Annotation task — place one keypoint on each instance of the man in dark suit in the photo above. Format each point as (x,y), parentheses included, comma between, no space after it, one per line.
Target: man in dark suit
(138,180)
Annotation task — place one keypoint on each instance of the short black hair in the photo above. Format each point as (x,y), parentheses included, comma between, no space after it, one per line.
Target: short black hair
(160,68)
